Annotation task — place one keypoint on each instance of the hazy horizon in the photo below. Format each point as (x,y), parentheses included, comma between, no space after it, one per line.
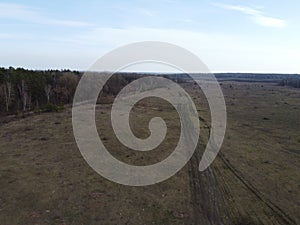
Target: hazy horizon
(153,72)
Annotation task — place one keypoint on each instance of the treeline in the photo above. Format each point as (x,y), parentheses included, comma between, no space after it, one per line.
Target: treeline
(290,82)
(22,90)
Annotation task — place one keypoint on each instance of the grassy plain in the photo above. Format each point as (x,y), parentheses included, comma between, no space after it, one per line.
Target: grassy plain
(254,180)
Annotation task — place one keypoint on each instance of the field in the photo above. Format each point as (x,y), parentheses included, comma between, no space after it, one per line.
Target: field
(254,180)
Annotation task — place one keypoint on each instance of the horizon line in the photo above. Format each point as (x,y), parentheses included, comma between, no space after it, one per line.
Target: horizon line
(155,72)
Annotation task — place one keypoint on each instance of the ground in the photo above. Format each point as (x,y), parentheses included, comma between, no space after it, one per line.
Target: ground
(254,180)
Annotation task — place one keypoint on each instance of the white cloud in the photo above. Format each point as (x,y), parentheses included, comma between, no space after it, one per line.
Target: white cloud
(269,21)
(33,15)
(256,15)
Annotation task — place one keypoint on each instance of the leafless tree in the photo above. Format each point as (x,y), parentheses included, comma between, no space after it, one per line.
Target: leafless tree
(47,92)
(6,90)
(23,93)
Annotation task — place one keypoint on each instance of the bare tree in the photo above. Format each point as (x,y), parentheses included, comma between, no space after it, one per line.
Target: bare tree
(47,92)
(6,89)
(23,93)
(65,88)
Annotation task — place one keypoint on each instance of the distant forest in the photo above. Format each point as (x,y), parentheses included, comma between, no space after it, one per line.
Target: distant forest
(24,90)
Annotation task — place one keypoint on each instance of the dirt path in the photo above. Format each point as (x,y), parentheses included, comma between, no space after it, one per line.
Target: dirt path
(206,195)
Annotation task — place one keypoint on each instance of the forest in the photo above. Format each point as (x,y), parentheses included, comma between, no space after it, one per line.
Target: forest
(25,90)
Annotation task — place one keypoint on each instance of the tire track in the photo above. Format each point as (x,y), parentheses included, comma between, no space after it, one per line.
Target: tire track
(206,194)
(278,212)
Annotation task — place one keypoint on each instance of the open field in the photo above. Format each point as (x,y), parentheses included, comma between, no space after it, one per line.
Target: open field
(254,180)
(259,162)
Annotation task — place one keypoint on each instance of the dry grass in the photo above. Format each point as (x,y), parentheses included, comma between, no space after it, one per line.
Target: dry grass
(44,179)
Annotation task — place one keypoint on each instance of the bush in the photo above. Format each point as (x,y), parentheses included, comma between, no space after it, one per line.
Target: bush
(53,108)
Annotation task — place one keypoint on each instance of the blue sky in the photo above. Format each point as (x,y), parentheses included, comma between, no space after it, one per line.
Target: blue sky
(228,35)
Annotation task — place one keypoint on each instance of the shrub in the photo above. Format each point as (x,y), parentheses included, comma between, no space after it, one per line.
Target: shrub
(53,108)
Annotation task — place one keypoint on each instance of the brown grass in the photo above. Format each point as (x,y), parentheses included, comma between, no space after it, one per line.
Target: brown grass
(44,179)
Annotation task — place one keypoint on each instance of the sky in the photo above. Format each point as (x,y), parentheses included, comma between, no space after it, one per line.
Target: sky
(227,35)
